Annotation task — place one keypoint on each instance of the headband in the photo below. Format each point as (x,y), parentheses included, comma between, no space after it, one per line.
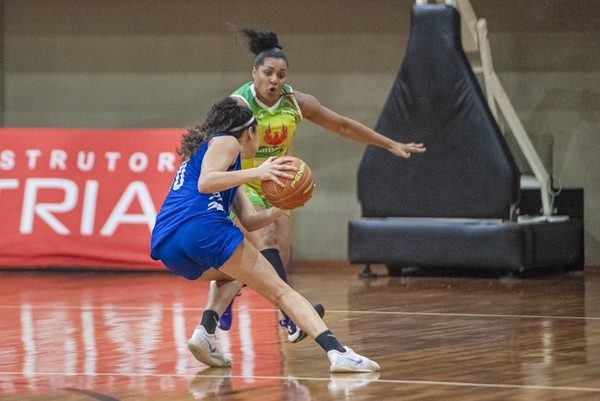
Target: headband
(245,125)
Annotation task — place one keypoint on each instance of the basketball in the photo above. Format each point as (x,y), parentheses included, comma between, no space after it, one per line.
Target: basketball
(296,192)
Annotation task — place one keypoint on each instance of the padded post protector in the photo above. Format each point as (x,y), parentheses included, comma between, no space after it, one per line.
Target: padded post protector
(472,243)
(468,170)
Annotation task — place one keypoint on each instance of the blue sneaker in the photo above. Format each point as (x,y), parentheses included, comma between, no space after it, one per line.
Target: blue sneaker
(296,334)
(226,318)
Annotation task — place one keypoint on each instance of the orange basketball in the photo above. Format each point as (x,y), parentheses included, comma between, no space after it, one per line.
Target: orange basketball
(297,190)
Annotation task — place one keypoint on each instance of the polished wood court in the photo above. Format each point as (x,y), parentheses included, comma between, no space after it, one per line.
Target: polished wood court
(437,336)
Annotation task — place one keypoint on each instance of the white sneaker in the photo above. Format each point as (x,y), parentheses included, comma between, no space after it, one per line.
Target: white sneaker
(205,349)
(350,361)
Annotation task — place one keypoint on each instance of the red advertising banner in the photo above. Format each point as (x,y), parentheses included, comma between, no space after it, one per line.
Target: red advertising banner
(82,198)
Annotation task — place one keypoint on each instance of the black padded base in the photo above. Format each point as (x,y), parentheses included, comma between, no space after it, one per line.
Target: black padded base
(465,243)
(554,244)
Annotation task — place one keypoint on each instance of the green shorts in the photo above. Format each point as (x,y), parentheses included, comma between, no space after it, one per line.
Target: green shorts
(257,199)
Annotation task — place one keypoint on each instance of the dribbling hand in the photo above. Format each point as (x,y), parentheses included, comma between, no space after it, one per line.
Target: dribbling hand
(274,168)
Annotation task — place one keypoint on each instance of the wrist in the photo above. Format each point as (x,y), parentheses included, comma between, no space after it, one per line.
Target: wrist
(390,145)
(253,174)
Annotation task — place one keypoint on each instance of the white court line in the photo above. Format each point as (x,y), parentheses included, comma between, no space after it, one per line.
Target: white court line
(328,311)
(487,315)
(387,381)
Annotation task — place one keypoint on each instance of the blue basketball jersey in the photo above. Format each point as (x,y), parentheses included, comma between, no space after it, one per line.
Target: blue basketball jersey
(184,204)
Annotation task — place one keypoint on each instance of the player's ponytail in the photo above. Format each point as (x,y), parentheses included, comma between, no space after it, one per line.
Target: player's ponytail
(262,44)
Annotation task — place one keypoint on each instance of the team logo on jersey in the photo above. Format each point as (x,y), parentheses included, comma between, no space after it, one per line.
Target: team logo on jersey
(264,152)
(276,137)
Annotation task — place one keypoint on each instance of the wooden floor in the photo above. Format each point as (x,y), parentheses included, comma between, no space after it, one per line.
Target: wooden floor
(118,336)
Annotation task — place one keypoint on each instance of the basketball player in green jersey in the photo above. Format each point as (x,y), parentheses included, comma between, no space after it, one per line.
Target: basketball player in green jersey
(279,109)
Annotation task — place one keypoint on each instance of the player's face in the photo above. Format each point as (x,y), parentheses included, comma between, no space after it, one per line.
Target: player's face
(269,79)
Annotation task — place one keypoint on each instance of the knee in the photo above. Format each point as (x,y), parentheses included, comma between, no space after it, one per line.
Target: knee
(268,237)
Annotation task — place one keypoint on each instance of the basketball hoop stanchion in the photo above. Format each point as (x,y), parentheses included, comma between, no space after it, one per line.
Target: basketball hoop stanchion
(499,102)
(482,212)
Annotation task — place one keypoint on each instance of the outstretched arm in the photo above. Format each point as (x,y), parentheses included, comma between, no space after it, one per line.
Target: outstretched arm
(345,127)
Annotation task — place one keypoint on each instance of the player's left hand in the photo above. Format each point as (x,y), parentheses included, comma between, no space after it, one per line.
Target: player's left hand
(406,149)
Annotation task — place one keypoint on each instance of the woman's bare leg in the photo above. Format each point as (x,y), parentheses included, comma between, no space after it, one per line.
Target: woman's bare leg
(250,267)
(223,290)
(277,235)
(284,238)
(274,243)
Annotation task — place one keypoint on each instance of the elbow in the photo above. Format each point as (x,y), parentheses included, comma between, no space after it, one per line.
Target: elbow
(205,187)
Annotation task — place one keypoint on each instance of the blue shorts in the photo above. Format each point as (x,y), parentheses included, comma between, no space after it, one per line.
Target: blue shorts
(198,245)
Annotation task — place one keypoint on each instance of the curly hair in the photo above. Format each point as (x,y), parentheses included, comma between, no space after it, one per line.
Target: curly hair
(225,116)
(262,44)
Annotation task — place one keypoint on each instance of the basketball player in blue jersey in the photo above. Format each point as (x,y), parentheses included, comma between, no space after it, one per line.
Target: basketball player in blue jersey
(195,238)
(279,109)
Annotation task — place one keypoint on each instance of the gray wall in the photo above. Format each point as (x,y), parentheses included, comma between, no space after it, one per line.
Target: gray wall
(161,63)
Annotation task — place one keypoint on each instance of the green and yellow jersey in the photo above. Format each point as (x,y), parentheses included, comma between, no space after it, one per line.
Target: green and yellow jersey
(276,125)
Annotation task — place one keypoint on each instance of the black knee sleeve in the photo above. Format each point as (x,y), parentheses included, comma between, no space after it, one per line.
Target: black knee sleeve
(272,255)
